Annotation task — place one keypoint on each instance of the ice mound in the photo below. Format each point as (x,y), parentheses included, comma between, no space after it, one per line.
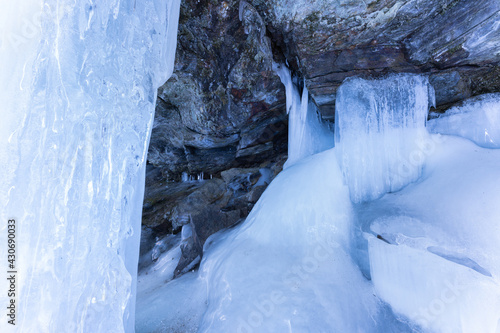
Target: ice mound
(477,119)
(433,247)
(288,267)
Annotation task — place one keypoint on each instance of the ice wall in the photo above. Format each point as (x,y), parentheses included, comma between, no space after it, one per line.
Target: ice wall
(380,133)
(79,96)
(477,119)
(307,134)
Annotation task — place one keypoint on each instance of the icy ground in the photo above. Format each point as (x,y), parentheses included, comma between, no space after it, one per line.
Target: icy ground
(423,258)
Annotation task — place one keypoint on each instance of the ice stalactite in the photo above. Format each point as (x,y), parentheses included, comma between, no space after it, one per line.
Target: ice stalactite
(379,131)
(80,111)
(307,134)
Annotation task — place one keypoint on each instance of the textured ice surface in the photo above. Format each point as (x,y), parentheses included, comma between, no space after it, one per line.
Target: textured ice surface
(477,119)
(380,133)
(442,266)
(78,96)
(307,134)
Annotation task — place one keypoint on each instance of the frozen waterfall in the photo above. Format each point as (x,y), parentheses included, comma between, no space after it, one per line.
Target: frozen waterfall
(380,132)
(307,134)
(78,93)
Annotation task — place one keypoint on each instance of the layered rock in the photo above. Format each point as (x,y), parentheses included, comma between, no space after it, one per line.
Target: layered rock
(455,41)
(224,106)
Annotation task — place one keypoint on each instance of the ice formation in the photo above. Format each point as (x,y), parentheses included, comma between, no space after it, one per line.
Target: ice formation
(477,119)
(380,132)
(439,265)
(307,134)
(78,96)
(309,259)
(321,251)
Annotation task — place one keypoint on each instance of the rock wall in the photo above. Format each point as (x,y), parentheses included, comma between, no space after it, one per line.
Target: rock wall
(224,106)
(456,42)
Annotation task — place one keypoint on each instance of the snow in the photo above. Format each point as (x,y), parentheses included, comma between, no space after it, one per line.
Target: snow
(441,268)
(477,119)
(78,88)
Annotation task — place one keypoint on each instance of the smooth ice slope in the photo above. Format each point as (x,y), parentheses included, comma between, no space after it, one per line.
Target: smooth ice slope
(78,97)
(307,134)
(288,268)
(380,131)
(477,119)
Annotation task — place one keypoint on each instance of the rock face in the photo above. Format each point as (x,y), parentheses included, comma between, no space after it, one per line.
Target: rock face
(221,117)
(224,106)
(456,42)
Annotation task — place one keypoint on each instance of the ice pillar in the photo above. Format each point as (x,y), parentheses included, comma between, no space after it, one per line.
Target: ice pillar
(79,96)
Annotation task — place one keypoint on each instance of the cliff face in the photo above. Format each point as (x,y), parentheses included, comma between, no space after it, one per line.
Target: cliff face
(223,110)
(455,42)
(224,106)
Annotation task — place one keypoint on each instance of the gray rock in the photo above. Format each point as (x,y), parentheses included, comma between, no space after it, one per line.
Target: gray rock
(327,41)
(450,86)
(200,208)
(223,95)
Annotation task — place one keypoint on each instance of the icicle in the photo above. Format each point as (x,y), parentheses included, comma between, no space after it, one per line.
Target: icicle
(307,135)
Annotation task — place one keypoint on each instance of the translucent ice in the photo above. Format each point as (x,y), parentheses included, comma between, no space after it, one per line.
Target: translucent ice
(307,134)
(380,132)
(477,119)
(436,260)
(78,94)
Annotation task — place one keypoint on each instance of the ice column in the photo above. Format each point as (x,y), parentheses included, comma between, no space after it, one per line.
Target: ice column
(80,96)
(380,133)
(307,134)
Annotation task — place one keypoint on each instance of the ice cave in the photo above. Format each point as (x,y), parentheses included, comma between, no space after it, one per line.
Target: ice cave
(250,166)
